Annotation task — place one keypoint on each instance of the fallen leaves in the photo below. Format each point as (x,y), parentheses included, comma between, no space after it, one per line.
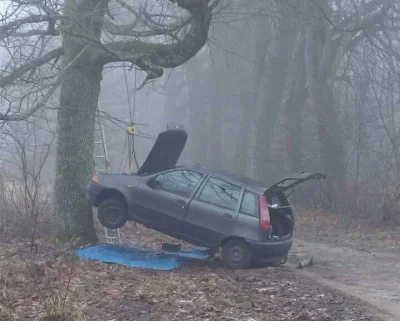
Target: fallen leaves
(97,291)
(321,226)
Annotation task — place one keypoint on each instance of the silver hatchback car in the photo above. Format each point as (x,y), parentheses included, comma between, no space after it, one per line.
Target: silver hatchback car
(210,208)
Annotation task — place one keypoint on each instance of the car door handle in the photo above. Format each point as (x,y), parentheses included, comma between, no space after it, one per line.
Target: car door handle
(227,215)
(181,203)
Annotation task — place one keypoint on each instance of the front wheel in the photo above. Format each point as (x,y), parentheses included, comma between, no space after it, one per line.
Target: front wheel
(236,254)
(112,213)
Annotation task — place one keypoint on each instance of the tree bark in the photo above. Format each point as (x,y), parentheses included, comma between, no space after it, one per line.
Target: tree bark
(295,96)
(253,108)
(197,115)
(319,53)
(80,91)
(215,112)
(270,99)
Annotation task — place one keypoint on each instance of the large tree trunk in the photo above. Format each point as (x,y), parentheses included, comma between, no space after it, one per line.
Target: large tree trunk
(268,96)
(320,85)
(295,96)
(252,108)
(76,118)
(197,115)
(332,145)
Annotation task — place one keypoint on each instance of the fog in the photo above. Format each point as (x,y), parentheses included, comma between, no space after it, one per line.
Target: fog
(263,88)
(272,92)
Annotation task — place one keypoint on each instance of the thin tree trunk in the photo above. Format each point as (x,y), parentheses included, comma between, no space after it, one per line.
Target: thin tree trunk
(215,110)
(175,111)
(360,140)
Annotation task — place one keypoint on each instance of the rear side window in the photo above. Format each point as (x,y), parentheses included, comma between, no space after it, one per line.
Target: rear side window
(220,193)
(249,204)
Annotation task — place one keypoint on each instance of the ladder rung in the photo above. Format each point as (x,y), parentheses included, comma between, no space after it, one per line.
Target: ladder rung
(101,166)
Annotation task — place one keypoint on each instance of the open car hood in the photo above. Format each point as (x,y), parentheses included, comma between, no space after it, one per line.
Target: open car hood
(166,151)
(290,183)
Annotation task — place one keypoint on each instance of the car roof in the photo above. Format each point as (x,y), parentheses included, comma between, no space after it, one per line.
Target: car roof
(247,182)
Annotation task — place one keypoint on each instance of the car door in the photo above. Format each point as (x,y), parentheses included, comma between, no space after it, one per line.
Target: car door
(161,201)
(213,212)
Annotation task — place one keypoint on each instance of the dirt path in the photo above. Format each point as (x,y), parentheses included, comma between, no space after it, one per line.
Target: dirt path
(371,276)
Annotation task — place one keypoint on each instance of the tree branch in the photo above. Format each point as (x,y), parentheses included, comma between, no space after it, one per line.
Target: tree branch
(35,108)
(371,11)
(152,57)
(9,79)
(10,29)
(25,115)
(155,29)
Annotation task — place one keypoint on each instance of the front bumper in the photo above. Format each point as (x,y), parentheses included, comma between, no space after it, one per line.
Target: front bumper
(271,251)
(93,191)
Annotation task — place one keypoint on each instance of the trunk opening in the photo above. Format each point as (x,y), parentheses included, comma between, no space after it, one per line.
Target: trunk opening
(282,222)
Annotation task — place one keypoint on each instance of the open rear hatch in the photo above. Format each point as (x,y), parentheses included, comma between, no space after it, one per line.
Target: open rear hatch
(289,184)
(280,210)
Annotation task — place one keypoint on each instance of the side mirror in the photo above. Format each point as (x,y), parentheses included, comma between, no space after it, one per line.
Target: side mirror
(152,183)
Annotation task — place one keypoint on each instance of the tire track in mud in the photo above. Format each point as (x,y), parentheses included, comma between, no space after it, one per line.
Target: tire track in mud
(371,276)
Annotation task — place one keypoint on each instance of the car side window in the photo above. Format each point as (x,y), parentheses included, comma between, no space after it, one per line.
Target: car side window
(249,204)
(274,200)
(220,193)
(180,182)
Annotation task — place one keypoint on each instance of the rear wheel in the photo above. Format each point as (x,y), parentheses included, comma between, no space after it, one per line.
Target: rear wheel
(112,213)
(236,254)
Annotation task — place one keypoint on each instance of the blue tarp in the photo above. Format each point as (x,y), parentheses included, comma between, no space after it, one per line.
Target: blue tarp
(138,257)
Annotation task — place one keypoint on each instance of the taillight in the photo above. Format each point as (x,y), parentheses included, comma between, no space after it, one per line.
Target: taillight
(265,220)
(96,178)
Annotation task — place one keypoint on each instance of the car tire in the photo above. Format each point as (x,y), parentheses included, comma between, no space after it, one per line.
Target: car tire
(236,254)
(112,213)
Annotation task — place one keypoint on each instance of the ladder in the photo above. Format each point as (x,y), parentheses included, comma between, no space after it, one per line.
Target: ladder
(102,165)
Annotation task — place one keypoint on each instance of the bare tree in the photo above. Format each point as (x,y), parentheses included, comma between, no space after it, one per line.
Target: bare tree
(92,34)
(24,194)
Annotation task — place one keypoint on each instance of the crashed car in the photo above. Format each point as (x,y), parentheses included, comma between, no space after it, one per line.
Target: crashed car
(209,208)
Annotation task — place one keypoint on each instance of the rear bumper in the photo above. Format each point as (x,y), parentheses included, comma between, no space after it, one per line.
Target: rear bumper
(93,192)
(271,251)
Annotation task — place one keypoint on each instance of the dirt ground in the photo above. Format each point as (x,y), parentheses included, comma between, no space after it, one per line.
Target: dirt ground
(359,259)
(371,276)
(343,284)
